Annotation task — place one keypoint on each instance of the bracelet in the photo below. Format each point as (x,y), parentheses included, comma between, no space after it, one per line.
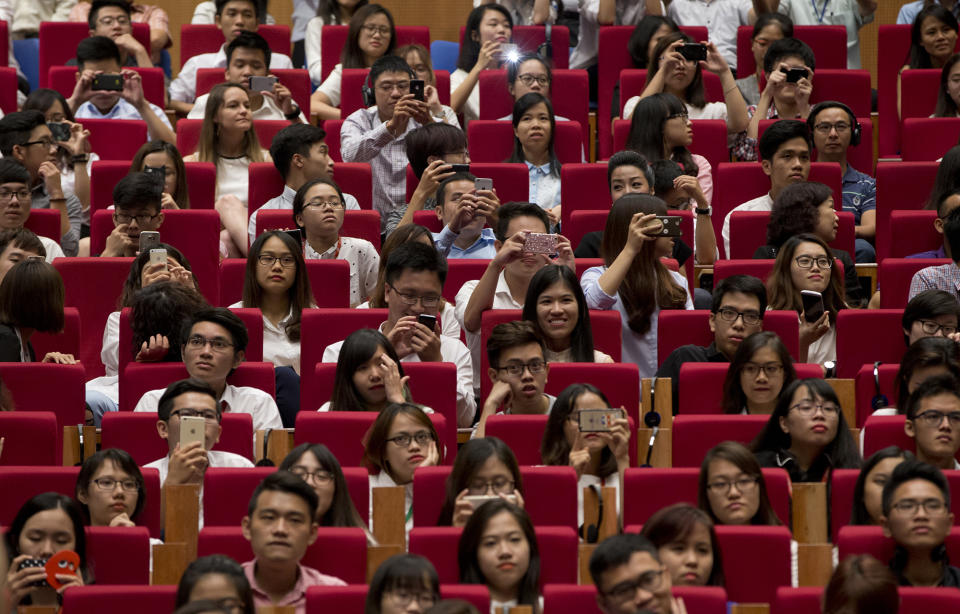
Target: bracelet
(79,159)
(61,198)
(293,114)
(700,211)
(725,92)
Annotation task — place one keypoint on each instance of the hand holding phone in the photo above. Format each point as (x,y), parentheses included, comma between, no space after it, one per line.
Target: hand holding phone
(261,84)
(795,74)
(417,87)
(694,52)
(540,243)
(159,256)
(107,82)
(598,420)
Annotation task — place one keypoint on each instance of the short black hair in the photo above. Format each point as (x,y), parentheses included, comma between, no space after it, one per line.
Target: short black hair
(927,305)
(442,188)
(174,390)
(222,317)
(951,231)
(513,68)
(664,172)
(931,387)
(788,48)
(389,63)
(284,481)
(744,284)
(415,256)
(249,40)
(774,18)
(99,4)
(12,171)
(97,48)
(779,133)
(508,335)
(292,140)
(15,129)
(138,190)
(630,158)
(24,239)
(616,551)
(509,211)
(301,195)
(435,139)
(219,4)
(913,469)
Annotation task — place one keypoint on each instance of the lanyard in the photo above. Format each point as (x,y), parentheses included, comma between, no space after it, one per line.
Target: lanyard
(819,15)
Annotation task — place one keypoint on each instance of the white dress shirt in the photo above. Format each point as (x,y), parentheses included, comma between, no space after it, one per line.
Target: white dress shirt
(267,110)
(277,347)
(184,87)
(449,326)
(451,350)
(730,15)
(121,110)
(52,248)
(830,13)
(285,201)
(235,399)
(629,13)
(521,11)
(364,264)
(761,203)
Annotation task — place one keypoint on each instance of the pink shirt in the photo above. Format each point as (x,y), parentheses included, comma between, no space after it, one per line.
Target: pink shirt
(306,577)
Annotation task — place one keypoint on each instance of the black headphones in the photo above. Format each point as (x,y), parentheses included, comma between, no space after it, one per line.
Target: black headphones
(545,50)
(590,533)
(366,90)
(834,104)
(879,399)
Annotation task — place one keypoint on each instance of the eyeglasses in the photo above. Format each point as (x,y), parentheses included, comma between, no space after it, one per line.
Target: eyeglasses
(320,204)
(21,195)
(929,326)
(403,598)
(934,417)
(649,581)
(729,314)
(682,116)
(48,143)
(807,262)
(208,415)
(199,342)
(528,79)
(386,88)
(421,437)
(909,507)
(371,29)
(109,484)
(516,368)
(287,262)
(826,127)
(230,604)
(497,486)
(722,487)
(109,21)
(806,408)
(430,300)
(142,220)
(770,369)
(319,476)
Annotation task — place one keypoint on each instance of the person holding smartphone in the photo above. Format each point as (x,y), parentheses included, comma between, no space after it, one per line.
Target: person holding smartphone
(137,208)
(484,468)
(488,28)
(465,212)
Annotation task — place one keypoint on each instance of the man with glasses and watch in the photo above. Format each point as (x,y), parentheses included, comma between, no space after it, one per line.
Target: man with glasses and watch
(25,138)
(413,283)
(14,211)
(933,421)
(630,579)
(136,208)
(916,514)
(214,342)
(518,369)
(739,302)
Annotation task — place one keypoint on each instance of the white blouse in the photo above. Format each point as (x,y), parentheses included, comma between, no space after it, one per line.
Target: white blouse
(277,347)
(364,264)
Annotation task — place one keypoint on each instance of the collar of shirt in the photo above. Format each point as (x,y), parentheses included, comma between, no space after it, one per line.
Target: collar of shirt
(311,254)
(713,353)
(298,592)
(853,175)
(487,237)
(228,399)
(503,292)
(543,169)
(121,110)
(288,195)
(276,328)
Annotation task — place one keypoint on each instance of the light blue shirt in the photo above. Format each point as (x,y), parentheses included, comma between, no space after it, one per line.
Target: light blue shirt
(121,110)
(544,187)
(910,10)
(481,248)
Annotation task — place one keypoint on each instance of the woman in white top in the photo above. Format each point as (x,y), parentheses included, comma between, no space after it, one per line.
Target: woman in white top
(534,127)
(318,209)
(760,369)
(633,280)
(483,467)
(498,548)
(372,35)
(488,27)
(599,458)
(671,72)
(229,140)
(805,262)
(276,283)
(369,374)
(329,13)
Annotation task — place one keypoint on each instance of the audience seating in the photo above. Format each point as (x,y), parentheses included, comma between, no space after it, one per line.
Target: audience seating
(493,141)
(852,87)
(188,133)
(709,139)
(701,384)
(893,45)
(829,45)
(136,432)
(332,127)
(140,378)
(870,540)
(900,185)
(359,224)
(207,38)
(619,381)
(915,233)
(329,280)
(859,157)
(854,326)
(760,268)
(297,80)
(529,39)
(119,555)
(59,40)
(679,327)
(882,431)
(693,436)
(511,181)
(867,389)
(549,494)
(352,598)
(583,187)
(928,138)
(923,85)
(44,223)
(459,272)
(748,231)
(64,80)
(334,39)
(116,139)
(316,334)
(30,438)
(894,276)
(158,599)
(913,600)
(557,545)
(582,599)
(30,387)
(524,434)
(345,431)
(66,341)
(201,183)
(751,578)
(429,220)
(634,80)
(8,86)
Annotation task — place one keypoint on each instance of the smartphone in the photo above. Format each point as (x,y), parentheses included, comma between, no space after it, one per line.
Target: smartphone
(427,320)
(461,168)
(261,84)
(598,420)
(159,256)
(669,225)
(539,243)
(795,74)
(812,305)
(296,234)
(482,183)
(478,500)
(694,52)
(60,130)
(24,564)
(509,52)
(109,83)
(192,428)
(416,88)
(149,239)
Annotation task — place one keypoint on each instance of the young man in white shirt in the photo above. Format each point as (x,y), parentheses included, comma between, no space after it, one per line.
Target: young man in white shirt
(98,58)
(14,211)
(413,283)
(232,17)
(136,201)
(214,343)
(300,154)
(933,421)
(851,14)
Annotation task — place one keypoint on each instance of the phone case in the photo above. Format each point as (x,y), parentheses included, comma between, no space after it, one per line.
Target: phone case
(597,420)
(158,256)
(192,429)
(539,243)
(482,183)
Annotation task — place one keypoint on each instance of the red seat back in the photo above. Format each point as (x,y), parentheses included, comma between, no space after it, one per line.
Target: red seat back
(159,599)
(923,85)
(702,385)
(354,178)
(358,224)
(522,434)
(30,387)
(59,40)
(693,436)
(351,90)
(492,141)
(332,127)
(30,438)
(429,220)
(64,79)
(334,39)
(760,269)
(188,133)
(207,38)
(748,231)
(264,182)
(928,138)
(900,185)
(870,540)
(44,223)
(634,80)
(297,80)
(119,555)
(913,600)
(829,45)
(329,280)
(66,341)
(750,578)
(316,334)
(619,381)
(459,272)
(915,233)
(8,84)
(583,187)
(882,431)
(893,44)
(895,275)
(881,326)
(582,599)
(140,378)
(852,87)
(201,183)
(676,328)
(352,598)
(116,139)
(136,432)
(866,389)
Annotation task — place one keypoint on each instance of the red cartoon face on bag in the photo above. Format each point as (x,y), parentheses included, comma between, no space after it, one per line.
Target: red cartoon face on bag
(63,562)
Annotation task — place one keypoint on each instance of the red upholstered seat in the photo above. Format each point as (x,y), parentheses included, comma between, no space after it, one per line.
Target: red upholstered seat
(30,438)
(64,79)
(333,126)
(760,269)
(159,599)
(913,600)
(648,489)
(751,578)
(66,341)
(119,555)
(31,389)
(582,599)
(915,233)
(297,80)
(634,80)
(748,231)
(264,182)
(358,224)
(44,223)
(344,431)
(207,38)
(59,40)
(583,187)
(829,45)
(329,280)
(492,141)
(521,433)
(201,182)
(928,138)
(900,185)
(351,89)
(317,334)
(140,378)
(893,44)
(679,327)
(116,139)
(923,84)
(882,431)
(866,389)
(353,597)
(881,326)
(429,220)
(528,40)
(619,381)
(188,133)
(870,540)
(701,384)
(136,432)
(894,277)
(8,87)
(693,436)
(459,272)
(334,39)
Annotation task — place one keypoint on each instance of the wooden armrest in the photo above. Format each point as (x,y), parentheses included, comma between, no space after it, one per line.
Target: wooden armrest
(181,504)
(72,450)
(815,564)
(810,512)
(847,395)
(662,456)
(389,516)
(169,563)
(663,400)
(749,608)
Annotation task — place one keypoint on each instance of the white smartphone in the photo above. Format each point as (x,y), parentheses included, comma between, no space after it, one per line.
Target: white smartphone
(478,500)
(159,256)
(192,428)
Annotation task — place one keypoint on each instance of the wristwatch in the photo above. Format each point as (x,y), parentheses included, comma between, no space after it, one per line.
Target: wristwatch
(293,114)
(706,211)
